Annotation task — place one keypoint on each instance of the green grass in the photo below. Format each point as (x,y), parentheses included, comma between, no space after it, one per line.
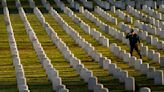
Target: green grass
(69,76)
(140,79)
(7,71)
(113,40)
(34,73)
(146,23)
(82,55)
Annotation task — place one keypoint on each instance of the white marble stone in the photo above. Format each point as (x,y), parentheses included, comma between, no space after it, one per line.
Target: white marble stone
(79,67)
(56,81)
(60,87)
(145,89)
(98,88)
(158,78)
(123,76)
(155,41)
(144,68)
(137,64)
(149,39)
(156,57)
(23,88)
(113,9)
(130,84)
(150,54)
(116,73)
(151,72)
(112,67)
(126,57)
(162,61)
(144,51)
(159,44)
(92,83)
(144,35)
(132,61)
(106,64)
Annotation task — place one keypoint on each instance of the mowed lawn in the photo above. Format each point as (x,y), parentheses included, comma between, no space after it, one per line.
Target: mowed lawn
(35,74)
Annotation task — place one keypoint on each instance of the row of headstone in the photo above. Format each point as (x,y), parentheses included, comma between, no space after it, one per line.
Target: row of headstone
(71,14)
(87,4)
(95,86)
(151,54)
(60,4)
(120,4)
(51,72)
(105,15)
(90,50)
(149,28)
(152,4)
(31,3)
(74,62)
(144,36)
(94,19)
(148,19)
(124,16)
(132,64)
(105,63)
(74,4)
(46,4)
(17,3)
(152,12)
(86,28)
(161,8)
(123,3)
(39,15)
(85,74)
(154,41)
(104,4)
(121,36)
(110,30)
(19,70)
(4,4)
(144,68)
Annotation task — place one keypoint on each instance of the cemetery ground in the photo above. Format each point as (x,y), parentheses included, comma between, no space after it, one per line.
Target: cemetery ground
(36,77)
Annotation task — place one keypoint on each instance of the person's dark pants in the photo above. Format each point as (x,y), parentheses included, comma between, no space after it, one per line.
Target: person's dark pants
(132,47)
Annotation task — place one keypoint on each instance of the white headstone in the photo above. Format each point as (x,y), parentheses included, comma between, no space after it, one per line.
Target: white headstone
(156,57)
(158,78)
(132,61)
(162,61)
(126,57)
(144,68)
(112,67)
(149,39)
(123,76)
(150,54)
(137,64)
(92,83)
(106,64)
(130,84)
(145,89)
(151,72)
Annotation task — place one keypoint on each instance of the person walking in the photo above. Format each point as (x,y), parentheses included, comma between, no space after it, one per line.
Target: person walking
(133,42)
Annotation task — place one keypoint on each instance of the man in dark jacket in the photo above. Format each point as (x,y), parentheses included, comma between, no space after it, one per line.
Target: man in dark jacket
(133,40)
